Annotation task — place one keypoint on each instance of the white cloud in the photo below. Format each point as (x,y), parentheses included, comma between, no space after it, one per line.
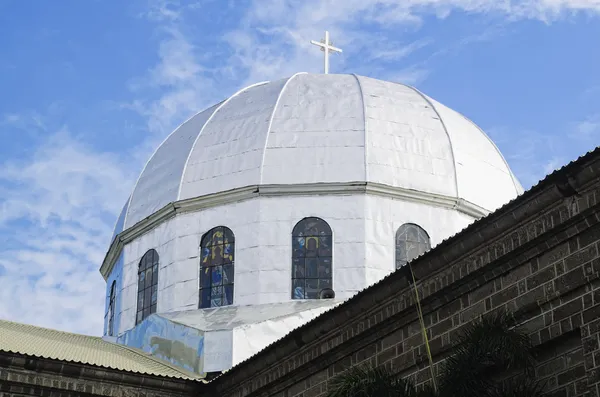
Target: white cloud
(272,38)
(527,153)
(56,216)
(533,155)
(587,131)
(57,207)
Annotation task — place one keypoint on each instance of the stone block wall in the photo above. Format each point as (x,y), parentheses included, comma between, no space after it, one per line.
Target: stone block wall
(537,257)
(32,376)
(557,293)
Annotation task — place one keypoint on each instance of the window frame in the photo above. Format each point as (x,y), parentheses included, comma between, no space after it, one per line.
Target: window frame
(150,261)
(111,308)
(307,282)
(421,246)
(219,293)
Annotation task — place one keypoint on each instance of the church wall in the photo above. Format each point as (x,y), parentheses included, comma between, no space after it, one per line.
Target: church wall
(115,276)
(279,215)
(252,338)
(363,227)
(242,219)
(383,217)
(162,239)
(538,258)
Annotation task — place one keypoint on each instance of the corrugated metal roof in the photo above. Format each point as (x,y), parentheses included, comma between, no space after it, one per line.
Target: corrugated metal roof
(64,346)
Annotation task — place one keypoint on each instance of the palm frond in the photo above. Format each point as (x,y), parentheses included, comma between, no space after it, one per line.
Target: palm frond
(521,386)
(364,381)
(484,347)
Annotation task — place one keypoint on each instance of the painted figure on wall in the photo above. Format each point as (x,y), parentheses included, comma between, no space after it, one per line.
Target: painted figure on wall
(217,268)
(312,243)
(180,345)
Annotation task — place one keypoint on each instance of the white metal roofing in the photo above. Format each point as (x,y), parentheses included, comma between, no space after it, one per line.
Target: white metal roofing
(314,128)
(230,317)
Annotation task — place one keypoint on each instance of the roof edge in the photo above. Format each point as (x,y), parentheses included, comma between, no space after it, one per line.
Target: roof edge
(430,103)
(219,107)
(264,152)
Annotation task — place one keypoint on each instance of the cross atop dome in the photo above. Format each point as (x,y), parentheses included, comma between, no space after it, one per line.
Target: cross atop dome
(326,47)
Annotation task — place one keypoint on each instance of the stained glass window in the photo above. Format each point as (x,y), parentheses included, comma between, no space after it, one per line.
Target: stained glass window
(111,308)
(411,241)
(216,268)
(147,286)
(312,245)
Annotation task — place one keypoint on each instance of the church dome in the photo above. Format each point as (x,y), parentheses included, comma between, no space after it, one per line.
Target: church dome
(324,128)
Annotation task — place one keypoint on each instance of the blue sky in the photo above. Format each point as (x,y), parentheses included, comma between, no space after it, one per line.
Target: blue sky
(89,88)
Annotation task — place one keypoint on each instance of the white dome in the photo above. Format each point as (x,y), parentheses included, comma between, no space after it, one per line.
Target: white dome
(315,128)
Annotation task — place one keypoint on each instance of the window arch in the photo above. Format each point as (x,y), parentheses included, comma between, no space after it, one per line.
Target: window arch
(312,244)
(147,285)
(216,267)
(411,241)
(111,308)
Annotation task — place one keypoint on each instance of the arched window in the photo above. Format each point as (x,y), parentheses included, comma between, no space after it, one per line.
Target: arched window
(411,241)
(111,308)
(147,285)
(216,268)
(312,244)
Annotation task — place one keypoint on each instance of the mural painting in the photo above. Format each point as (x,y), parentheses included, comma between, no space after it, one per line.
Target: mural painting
(180,345)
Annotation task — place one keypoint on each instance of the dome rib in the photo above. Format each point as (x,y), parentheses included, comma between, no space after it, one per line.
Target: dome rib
(362,98)
(445,130)
(262,162)
(204,126)
(132,196)
(401,117)
(518,187)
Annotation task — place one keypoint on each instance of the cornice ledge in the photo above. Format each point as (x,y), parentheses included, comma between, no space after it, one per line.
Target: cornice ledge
(143,226)
(215,199)
(312,188)
(438,200)
(273,190)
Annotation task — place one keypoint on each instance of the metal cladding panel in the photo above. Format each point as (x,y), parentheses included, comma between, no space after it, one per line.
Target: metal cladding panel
(484,177)
(229,152)
(384,216)
(120,221)
(178,277)
(317,132)
(313,128)
(406,142)
(231,317)
(162,239)
(116,277)
(254,337)
(158,184)
(177,344)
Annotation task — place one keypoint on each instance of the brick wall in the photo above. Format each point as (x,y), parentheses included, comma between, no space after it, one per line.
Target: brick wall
(538,258)
(557,293)
(30,376)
